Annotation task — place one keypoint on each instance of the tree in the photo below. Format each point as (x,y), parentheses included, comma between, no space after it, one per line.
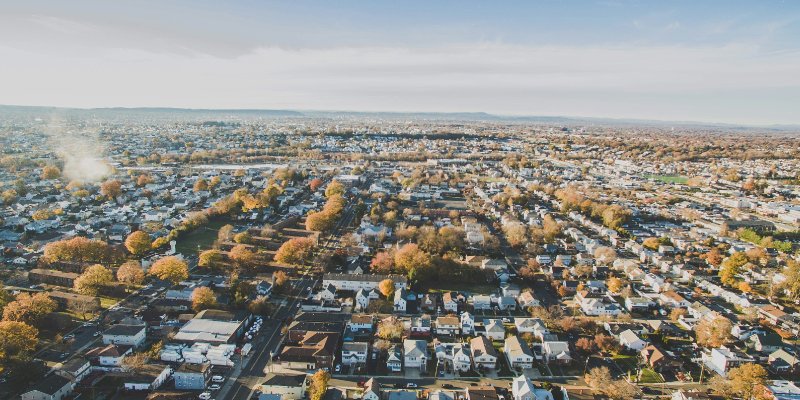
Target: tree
(334,188)
(651,243)
(77,249)
(713,257)
(713,332)
(677,313)
(320,221)
(92,279)
(390,329)
(5,298)
(171,269)
(386,288)
(382,263)
(130,273)
(51,172)
(614,284)
(30,309)
(138,243)
(621,390)
(18,341)
(731,267)
(134,362)
(243,238)
(318,385)
(742,381)
(792,282)
(605,255)
(83,306)
(203,298)
(279,280)
(200,185)
(242,255)
(410,257)
(225,233)
(143,180)
(295,251)
(315,184)
(599,379)
(585,345)
(111,189)
(516,233)
(209,258)
(605,342)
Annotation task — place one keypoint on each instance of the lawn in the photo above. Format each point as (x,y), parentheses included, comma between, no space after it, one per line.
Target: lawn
(625,362)
(107,302)
(649,376)
(201,238)
(679,179)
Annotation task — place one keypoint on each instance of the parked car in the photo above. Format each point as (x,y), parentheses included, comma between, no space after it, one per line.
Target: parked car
(217,379)
(214,386)
(205,396)
(411,385)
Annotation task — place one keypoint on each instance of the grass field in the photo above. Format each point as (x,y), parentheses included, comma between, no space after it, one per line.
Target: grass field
(679,179)
(202,237)
(650,376)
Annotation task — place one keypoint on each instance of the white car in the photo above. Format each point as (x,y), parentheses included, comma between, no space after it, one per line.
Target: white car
(214,387)
(205,396)
(217,379)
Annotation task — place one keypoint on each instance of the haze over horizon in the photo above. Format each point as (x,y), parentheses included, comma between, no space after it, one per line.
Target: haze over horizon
(722,62)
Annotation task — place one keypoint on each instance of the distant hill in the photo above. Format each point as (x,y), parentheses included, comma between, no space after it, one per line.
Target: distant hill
(196,114)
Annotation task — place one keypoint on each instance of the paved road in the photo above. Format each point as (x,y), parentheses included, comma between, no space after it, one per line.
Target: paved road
(251,372)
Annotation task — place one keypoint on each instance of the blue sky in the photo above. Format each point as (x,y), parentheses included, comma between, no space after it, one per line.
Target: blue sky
(716,61)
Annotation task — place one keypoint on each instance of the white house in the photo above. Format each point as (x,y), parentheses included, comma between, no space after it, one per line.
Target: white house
(495,329)
(467,323)
(484,355)
(286,385)
(130,335)
(448,325)
(534,326)
(722,359)
(517,352)
(415,354)
(630,340)
(556,351)
(400,300)
(52,387)
(523,389)
(354,353)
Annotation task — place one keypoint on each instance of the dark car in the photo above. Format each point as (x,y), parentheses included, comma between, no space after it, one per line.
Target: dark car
(447,386)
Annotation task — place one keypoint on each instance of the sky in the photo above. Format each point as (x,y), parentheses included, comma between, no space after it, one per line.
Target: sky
(711,61)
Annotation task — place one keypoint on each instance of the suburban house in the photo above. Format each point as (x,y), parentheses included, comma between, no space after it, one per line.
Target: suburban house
(448,325)
(400,301)
(467,323)
(286,385)
(394,360)
(523,389)
(631,340)
(52,387)
(415,354)
(517,352)
(484,355)
(192,376)
(355,282)
(129,335)
(354,353)
(722,359)
(557,352)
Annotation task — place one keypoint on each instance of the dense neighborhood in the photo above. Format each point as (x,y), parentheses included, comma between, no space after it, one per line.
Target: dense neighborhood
(284,257)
